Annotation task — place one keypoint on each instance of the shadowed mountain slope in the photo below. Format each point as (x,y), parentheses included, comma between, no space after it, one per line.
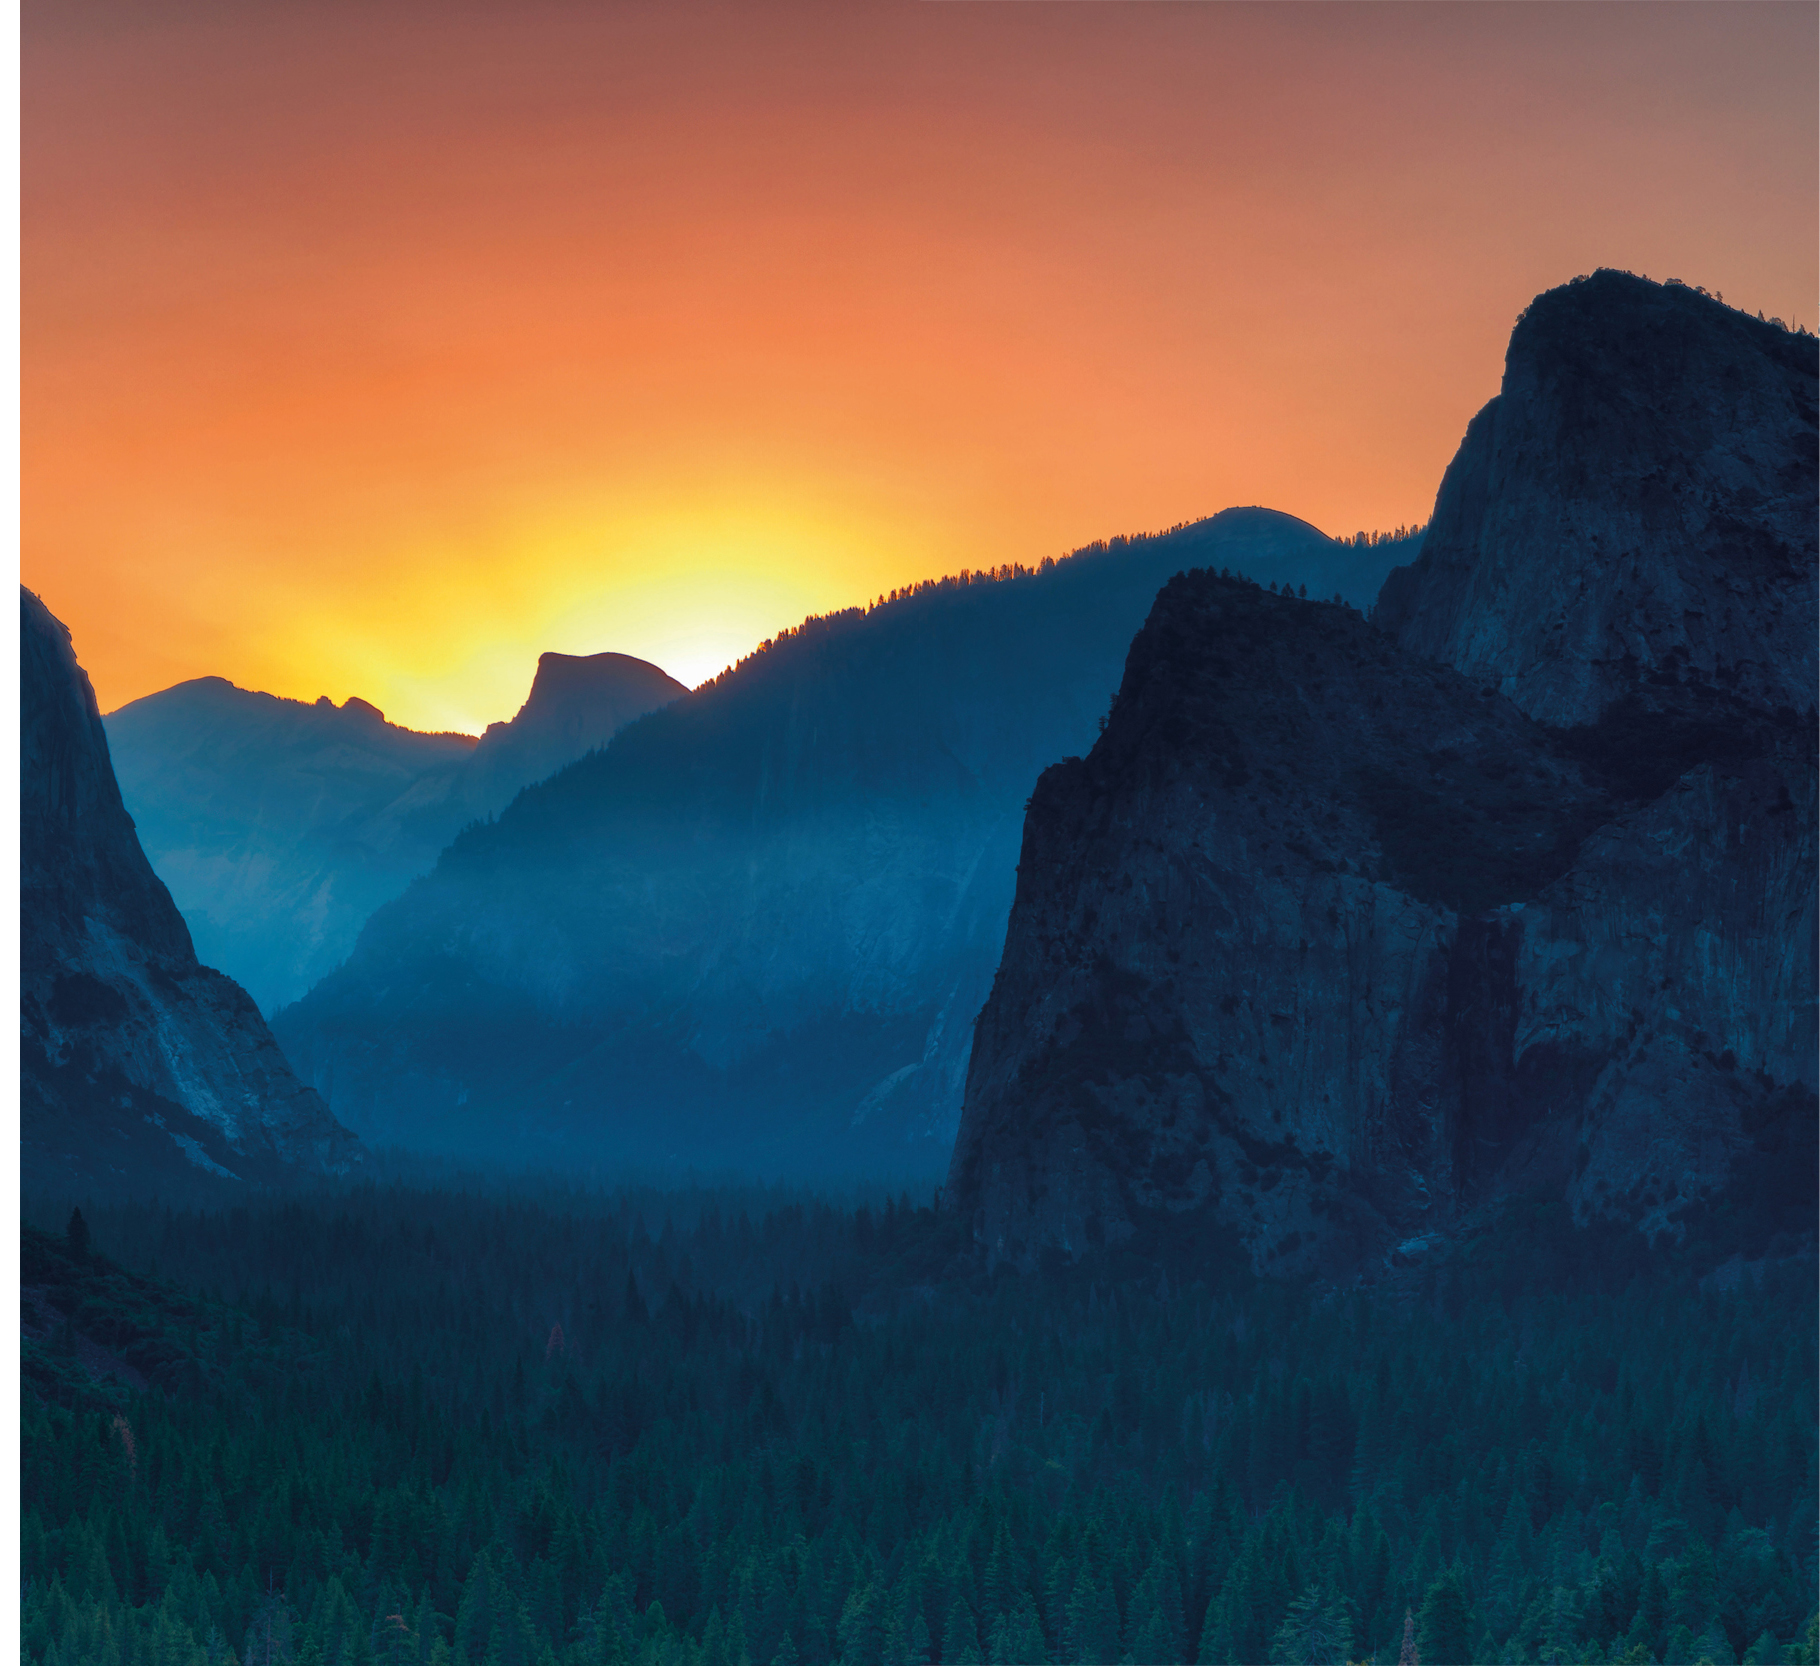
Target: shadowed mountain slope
(140,1068)
(280,825)
(1326,944)
(755,930)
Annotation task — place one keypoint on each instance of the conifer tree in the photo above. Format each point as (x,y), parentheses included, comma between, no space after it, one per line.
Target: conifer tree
(1093,1618)
(1317,1631)
(960,1636)
(1444,1627)
(1017,1639)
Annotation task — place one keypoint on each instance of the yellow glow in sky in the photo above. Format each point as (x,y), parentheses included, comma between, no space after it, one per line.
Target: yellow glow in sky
(449,634)
(375,349)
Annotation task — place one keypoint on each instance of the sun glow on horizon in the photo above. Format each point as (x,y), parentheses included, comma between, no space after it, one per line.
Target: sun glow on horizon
(447,636)
(376,350)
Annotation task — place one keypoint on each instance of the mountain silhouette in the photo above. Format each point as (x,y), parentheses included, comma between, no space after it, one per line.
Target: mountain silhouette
(754,931)
(280,825)
(577,704)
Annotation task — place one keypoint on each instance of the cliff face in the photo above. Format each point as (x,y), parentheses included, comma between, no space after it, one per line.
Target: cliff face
(1633,515)
(1667,990)
(1327,943)
(1235,978)
(577,704)
(755,930)
(141,1069)
(280,825)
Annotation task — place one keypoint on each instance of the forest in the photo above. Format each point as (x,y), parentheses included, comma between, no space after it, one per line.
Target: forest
(525,1427)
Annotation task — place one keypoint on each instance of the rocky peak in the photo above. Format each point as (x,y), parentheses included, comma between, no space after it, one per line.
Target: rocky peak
(577,703)
(1632,519)
(571,688)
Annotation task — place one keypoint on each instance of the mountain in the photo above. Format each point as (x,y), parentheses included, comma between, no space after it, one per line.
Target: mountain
(1632,515)
(577,704)
(1345,932)
(754,931)
(140,1069)
(280,825)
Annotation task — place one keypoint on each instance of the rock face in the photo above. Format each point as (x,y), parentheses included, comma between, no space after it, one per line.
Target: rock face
(754,931)
(577,704)
(1326,944)
(280,825)
(1667,999)
(1633,512)
(140,1068)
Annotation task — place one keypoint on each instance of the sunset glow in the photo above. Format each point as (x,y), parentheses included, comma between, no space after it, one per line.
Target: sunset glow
(374,350)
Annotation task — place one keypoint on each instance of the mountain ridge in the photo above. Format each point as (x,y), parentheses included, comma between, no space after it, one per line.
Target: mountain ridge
(282,824)
(756,928)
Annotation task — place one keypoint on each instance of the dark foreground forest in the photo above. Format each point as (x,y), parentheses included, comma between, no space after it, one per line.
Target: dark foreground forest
(714,1429)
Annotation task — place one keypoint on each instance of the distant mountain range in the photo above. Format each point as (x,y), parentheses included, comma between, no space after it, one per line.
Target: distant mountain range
(754,931)
(280,826)
(140,1069)
(1341,933)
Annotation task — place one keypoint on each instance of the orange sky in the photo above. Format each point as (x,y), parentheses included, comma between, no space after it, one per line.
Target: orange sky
(373,347)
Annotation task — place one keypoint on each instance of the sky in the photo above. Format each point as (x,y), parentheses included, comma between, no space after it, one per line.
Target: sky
(372,347)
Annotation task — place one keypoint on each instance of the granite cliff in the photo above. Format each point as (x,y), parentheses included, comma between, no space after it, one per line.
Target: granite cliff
(1345,931)
(140,1068)
(280,825)
(1632,518)
(577,703)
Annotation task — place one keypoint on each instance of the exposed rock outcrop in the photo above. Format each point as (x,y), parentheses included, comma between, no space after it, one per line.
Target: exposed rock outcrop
(1633,515)
(1234,977)
(1667,990)
(576,705)
(140,1068)
(1329,943)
